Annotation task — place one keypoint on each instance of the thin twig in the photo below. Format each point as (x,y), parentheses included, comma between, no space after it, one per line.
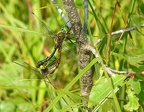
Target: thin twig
(126,30)
(109,70)
(110,37)
(113,72)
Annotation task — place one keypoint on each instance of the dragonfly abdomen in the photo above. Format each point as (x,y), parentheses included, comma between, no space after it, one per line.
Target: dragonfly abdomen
(52,70)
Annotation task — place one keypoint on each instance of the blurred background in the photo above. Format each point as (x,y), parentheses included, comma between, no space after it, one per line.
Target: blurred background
(24,39)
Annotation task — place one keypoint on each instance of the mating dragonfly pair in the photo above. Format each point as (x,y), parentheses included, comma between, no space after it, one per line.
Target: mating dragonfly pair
(45,66)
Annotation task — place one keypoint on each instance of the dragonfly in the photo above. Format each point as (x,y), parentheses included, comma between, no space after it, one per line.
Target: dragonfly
(58,41)
(59,38)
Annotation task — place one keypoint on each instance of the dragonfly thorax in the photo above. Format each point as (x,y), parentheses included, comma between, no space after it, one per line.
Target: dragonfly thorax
(59,38)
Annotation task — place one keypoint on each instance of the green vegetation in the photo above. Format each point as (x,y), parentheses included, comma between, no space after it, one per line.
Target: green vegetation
(24,39)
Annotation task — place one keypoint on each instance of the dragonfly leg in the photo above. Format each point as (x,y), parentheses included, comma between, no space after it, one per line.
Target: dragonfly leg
(68,33)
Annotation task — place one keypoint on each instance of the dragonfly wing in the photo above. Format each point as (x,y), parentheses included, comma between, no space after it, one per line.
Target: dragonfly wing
(49,31)
(27,66)
(33,69)
(52,61)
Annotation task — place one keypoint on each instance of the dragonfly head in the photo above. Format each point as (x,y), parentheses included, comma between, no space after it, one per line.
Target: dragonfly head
(65,28)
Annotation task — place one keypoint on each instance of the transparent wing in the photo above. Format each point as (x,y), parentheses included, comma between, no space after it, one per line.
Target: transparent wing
(52,61)
(48,30)
(33,69)
(28,66)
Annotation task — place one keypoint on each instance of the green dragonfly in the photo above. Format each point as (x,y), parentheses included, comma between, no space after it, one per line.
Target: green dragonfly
(59,38)
(58,41)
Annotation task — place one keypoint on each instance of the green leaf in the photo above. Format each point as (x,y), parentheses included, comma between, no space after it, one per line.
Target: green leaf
(133,103)
(101,90)
(135,85)
(107,106)
(135,60)
(141,94)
